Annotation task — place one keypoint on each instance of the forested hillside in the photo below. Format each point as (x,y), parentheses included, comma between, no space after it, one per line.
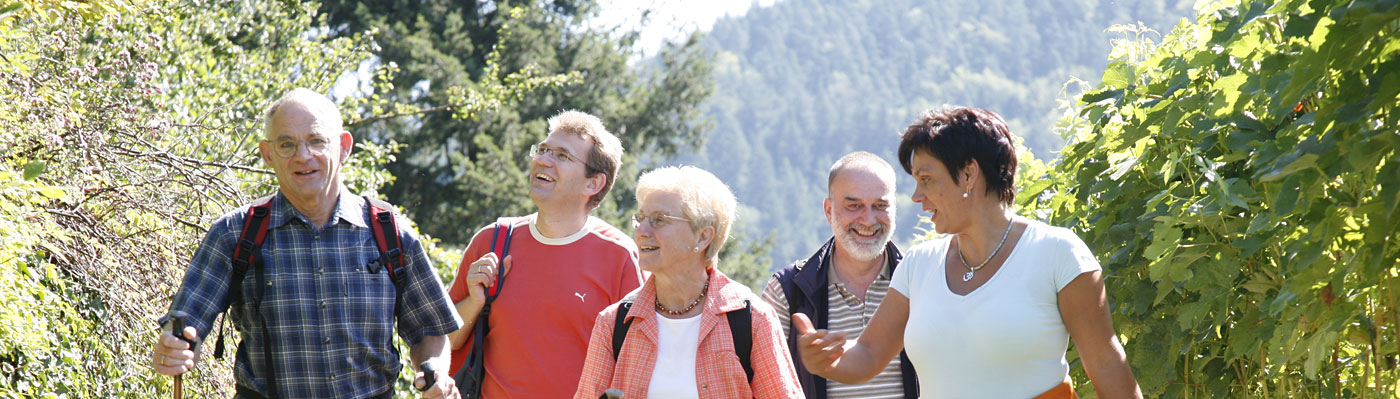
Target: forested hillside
(802,82)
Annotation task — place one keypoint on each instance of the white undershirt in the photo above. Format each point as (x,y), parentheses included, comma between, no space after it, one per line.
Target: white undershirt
(674,375)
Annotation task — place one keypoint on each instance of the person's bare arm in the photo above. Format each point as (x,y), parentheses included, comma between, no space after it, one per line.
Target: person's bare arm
(433,351)
(830,355)
(1084,308)
(481,275)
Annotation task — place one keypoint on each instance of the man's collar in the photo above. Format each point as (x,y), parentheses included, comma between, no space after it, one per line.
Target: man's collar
(890,257)
(349,207)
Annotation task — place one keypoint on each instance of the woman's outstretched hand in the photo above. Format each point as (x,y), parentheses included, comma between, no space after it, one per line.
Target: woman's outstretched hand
(820,350)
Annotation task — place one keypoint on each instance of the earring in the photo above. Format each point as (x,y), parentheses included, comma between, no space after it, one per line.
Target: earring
(964,194)
(696,249)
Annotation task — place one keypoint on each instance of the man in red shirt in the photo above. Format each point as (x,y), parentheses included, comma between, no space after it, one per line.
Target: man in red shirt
(564,266)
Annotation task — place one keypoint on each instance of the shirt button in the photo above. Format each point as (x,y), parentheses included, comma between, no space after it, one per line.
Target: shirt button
(327,340)
(316,237)
(323,304)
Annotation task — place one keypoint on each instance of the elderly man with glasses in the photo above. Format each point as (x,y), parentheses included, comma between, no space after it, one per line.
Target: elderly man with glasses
(318,306)
(563,266)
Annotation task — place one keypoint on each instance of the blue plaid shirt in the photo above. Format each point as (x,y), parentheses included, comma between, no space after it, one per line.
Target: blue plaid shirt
(331,315)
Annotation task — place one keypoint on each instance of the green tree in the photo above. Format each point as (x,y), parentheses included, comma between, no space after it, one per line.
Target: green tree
(129,127)
(463,173)
(802,82)
(1240,183)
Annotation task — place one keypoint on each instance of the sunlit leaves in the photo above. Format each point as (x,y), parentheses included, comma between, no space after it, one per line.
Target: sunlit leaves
(1264,202)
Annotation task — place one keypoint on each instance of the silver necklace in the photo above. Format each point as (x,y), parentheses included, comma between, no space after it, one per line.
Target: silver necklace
(970,270)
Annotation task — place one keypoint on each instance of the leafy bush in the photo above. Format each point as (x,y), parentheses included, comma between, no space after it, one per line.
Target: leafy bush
(127,129)
(1241,184)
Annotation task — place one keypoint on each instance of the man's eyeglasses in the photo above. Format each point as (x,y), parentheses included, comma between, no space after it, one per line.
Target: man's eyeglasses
(285,148)
(559,154)
(657,220)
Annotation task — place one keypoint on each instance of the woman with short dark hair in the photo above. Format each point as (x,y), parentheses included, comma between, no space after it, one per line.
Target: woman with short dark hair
(986,310)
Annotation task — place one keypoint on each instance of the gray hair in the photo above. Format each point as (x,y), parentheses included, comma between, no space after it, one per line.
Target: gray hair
(862,159)
(327,114)
(705,200)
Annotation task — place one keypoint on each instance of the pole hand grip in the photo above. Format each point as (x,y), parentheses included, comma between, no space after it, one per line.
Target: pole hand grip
(429,375)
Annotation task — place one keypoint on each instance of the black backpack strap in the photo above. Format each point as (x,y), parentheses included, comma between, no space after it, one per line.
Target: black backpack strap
(741,329)
(621,325)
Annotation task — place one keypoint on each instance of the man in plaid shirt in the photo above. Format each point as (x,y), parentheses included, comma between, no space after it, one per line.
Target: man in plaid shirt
(329,309)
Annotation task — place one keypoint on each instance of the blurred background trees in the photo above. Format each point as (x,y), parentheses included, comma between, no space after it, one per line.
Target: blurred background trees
(1236,172)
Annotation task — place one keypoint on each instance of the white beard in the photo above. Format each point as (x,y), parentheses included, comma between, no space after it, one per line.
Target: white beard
(861,249)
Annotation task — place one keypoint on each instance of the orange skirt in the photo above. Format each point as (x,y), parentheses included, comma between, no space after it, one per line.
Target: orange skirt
(1063,391)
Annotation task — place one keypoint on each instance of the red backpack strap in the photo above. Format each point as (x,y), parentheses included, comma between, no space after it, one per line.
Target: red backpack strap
(508,225)
(247,252)
(386,235)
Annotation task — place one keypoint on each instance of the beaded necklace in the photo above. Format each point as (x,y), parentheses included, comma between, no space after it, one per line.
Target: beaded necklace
(692,305)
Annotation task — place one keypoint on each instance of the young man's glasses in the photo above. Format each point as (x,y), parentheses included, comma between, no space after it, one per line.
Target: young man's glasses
(558,154)
(285,147)
(657,220)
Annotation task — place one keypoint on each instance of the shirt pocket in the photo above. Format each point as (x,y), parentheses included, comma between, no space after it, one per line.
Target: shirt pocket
(369,297)
(724,372)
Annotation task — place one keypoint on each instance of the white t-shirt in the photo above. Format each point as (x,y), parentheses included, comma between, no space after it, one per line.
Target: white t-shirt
(674,375)
(1003,340)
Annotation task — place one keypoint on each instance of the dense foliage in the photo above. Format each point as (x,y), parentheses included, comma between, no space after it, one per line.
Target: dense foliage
(128,127)
(803,82)
(464,173)
(1240,183)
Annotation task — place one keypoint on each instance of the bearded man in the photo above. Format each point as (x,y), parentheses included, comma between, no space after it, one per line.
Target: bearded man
(842,284)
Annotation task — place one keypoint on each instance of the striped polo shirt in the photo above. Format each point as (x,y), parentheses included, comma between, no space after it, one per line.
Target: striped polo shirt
(847,313)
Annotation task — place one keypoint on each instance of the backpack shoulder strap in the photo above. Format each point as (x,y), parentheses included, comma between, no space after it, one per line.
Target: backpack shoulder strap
(246,255)
(250,240)
(386,235)
(621,325)
(740,326)
(508,225)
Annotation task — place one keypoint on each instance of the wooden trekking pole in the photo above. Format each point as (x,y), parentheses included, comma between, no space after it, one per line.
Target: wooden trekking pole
(177,328)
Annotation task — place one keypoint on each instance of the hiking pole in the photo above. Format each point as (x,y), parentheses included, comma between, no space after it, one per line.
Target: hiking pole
(429,375)
(177,328)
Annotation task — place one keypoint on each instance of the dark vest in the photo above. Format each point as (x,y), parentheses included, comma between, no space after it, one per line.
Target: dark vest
(804,284)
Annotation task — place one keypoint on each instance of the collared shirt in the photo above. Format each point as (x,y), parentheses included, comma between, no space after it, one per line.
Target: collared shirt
(717,369)
(331,314)
(845,312)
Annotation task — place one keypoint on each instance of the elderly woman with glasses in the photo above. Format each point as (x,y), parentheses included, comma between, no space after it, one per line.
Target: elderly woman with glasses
(678,341)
